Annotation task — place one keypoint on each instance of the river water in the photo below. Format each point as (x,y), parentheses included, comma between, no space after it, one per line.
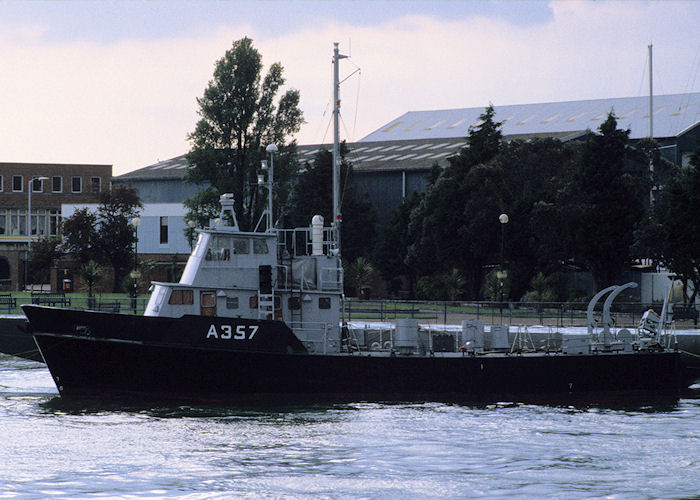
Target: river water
(49,448)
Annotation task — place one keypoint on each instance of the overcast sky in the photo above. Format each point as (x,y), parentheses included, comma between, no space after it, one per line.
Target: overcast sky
(116,82)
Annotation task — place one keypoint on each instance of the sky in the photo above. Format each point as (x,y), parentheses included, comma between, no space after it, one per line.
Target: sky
(117,82)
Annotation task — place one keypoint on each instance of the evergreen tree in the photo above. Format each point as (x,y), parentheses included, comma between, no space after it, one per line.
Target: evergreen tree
(604,203)
(312,195)
(673,233)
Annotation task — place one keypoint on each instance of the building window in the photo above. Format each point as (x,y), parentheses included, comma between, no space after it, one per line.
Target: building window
(1,186)
(37,186)
(163,230)
(56,184)
(17,183)
(18,222)
(76,184)
(54,221)
(3,221)
(96,184)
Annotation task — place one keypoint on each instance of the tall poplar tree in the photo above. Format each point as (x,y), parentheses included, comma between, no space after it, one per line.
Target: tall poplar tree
(239,117)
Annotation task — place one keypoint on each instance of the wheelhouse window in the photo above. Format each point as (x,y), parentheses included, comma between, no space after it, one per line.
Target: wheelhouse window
(181,297)
(260,246)
(219,248)
(231,302)
(76,184)
(56,184)
(163,230)
(241,245)
(95,184)
(324,303)
(17,183)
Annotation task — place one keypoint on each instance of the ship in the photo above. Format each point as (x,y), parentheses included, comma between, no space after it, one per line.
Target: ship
(258,316)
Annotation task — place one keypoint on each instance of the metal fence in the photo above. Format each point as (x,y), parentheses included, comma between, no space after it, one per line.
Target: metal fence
(10,303)
(562,314)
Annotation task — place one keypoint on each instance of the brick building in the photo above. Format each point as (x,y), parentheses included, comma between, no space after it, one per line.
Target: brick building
(39,189)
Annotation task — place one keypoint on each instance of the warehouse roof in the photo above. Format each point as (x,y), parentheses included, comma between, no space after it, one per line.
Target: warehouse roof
(673,114)
(417,139)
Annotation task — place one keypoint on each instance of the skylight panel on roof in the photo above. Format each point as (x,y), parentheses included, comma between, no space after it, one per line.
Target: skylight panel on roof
(403,148)
(575,117)
(376,158)
(376,148)
(656,111)
(525,120)
(424,155)
(551,118)
(435,125)
(599,117)
(391,157)
(627,114)
(411,127)
(357,150)
(440,155)
(406,157)
(681,110)
(392,127)
(422,146)
(438,146)
(458,123)
(389,148)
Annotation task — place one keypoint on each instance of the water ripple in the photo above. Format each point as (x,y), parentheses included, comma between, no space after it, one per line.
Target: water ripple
(51,448)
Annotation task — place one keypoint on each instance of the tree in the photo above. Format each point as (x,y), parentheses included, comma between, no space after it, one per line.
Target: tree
(312,194)
(106,236)
(673,231)
(604,203)
(443,224)
(238,118)
(116,235)
(80,236)
(45,251)
(393,241)
(91,273)
(360,275)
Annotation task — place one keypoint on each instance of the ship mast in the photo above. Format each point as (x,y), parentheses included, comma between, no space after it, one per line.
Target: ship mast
(651,127)
(337,216)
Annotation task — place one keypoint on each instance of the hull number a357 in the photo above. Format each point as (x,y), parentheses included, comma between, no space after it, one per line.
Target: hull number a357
(226,332)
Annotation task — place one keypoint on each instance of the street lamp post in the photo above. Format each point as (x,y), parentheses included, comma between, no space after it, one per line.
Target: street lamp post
(271,150)
(30,187)
(502,274)
(134,274)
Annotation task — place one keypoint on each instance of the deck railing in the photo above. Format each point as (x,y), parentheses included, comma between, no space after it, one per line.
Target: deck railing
(624,314)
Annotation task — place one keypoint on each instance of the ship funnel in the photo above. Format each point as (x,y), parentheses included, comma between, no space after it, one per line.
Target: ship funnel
(317,235)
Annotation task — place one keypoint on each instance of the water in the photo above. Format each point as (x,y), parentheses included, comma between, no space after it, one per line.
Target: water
(49,448)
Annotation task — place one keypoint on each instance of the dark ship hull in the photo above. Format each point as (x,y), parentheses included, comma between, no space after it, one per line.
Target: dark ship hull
(176,364)
(15,340)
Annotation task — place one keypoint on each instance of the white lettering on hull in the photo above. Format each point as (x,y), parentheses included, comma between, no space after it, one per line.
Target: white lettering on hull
(227,332)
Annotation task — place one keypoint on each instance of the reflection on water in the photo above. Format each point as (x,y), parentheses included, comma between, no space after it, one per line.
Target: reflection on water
(51,447)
